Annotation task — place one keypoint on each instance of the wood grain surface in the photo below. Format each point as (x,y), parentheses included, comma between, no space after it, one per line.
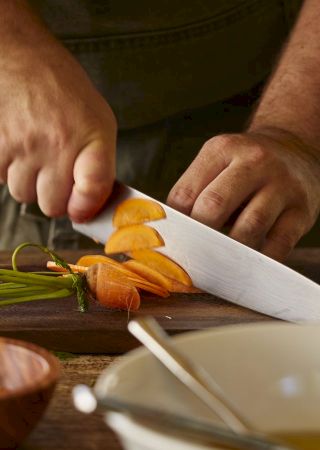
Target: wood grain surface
(57,324)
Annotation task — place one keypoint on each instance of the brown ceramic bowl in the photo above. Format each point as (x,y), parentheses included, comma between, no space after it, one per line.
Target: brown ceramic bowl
(28,375)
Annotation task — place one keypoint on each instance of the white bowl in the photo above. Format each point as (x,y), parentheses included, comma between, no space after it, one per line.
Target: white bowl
(271,372)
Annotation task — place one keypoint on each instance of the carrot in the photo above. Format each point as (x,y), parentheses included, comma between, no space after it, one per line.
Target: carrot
(108,284)
(111,288)
(131,276)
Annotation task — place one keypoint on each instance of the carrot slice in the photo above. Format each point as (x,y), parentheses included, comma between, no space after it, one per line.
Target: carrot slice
(162,264)
(136,211)
(89,260)
(133,237)
(152,288)
(111,288)
(148,273)
(181,288)
(158,278)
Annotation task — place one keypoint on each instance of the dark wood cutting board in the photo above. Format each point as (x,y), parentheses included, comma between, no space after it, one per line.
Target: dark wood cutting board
(59,326)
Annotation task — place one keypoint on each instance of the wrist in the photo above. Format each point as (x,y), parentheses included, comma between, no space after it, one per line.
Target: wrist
(292,141)
(21,27)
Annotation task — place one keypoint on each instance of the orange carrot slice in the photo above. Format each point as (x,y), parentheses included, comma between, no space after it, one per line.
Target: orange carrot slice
(152,288)
(158,278)
(111,288)
(89,260)
(136,211)
(181,288)
(133,237)
(148,273)
(162,264)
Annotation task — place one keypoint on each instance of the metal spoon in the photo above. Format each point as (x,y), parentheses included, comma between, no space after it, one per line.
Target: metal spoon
(86,401)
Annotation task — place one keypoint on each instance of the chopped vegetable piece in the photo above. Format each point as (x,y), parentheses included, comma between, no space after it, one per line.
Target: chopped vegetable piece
(148,273)
(133,237)
(111,288)
(89,260)
(136,211)
(152,288)
(162,264)
(158,278)
(181,288)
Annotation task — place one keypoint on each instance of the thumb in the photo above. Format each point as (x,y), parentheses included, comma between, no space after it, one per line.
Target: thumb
(94,173)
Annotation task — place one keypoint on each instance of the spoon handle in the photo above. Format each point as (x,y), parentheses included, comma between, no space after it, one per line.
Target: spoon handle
(152,336)
(86,401)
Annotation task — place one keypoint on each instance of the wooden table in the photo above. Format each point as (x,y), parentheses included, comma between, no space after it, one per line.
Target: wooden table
(62,427)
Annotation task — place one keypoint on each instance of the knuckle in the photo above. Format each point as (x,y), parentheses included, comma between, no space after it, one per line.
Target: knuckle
(284,240)
(221,142)
(256,221)
(182,195)
(224,140)
(257,155)
(212,200)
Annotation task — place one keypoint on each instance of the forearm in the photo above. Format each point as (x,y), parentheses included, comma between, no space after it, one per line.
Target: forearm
(22,29)
(291,101)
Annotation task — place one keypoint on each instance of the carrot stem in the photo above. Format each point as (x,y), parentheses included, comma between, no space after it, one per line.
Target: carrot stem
(22,291)
(34,279)
(60,293)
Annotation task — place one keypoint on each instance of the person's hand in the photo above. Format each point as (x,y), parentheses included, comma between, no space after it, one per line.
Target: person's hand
(57,134)
(267,181)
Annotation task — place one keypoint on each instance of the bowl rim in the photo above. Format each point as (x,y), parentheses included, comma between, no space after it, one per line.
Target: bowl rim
(183,338)
(48,379)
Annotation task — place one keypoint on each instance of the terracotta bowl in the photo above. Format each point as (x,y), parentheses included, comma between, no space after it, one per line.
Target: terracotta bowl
(28,375)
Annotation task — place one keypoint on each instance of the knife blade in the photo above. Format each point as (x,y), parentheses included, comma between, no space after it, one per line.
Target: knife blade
(220,265)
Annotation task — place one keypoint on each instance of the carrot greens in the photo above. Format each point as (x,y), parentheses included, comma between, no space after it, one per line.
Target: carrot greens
(18,286)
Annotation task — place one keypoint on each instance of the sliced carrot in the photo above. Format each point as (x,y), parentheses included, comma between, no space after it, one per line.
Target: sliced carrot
(152,288)
(158,278)
(130,276)
(148,273)
(162,264)
(89,260)
(181,288)
(133,237)
(111,288)
(136,211)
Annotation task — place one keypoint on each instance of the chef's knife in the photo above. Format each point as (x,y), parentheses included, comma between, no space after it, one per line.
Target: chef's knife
(220,265)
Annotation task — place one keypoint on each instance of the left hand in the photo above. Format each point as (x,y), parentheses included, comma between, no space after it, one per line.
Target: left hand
(269,180)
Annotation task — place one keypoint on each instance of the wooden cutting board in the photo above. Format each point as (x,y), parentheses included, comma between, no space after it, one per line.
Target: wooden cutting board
(59,326)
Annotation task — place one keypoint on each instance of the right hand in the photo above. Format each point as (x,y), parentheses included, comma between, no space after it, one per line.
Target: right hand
(57,133)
